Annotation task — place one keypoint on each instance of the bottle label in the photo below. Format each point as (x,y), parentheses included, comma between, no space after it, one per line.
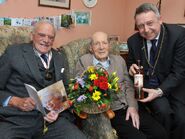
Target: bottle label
(138,80)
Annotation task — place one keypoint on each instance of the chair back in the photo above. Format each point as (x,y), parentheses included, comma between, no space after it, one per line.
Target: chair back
(13,35)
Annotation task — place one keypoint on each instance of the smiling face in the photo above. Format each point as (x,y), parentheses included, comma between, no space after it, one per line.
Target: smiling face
(43,37)
(148,24)
(100,46)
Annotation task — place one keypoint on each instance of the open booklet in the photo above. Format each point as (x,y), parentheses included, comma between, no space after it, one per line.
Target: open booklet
(53,97)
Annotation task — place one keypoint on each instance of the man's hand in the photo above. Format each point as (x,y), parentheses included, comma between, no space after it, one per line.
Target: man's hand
(133,69)
(51,116)
(24,104)
(133,113)
(152,94)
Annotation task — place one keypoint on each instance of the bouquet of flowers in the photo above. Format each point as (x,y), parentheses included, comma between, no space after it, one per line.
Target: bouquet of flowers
(92,91)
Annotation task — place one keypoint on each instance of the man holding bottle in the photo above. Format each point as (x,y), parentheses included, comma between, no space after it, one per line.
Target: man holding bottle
(161,49)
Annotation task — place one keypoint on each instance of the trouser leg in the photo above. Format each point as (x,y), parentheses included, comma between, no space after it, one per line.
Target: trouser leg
(163,112)
(178,130)
(125,129)
(150,126)
(63,129)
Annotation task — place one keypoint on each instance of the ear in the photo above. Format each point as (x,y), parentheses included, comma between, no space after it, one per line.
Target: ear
(90,49)
(160,20)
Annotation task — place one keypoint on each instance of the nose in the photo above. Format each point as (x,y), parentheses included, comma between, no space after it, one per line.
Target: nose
(146,28)
(101,45)
(46,39)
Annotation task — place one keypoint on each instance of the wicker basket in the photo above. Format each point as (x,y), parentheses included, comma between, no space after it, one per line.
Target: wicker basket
(94,109)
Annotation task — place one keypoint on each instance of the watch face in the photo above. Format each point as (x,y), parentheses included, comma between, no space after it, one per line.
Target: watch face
(90,3)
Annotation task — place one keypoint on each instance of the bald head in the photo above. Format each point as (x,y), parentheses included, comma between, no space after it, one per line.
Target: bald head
(99,35)
(100,46)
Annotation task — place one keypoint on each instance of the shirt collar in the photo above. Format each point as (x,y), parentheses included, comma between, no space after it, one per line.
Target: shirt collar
(104,64)
(39,54)
(157,38)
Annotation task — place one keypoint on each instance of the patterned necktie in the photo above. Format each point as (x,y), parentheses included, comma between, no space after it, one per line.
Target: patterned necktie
(45,58)
(153,52)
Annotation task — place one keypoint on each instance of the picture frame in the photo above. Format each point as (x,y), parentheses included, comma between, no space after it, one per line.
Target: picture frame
(123,47)
(113,38)
(82,17)
(64,4)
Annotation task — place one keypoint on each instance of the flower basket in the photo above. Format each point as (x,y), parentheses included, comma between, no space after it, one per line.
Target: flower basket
(92,91)
(94,108)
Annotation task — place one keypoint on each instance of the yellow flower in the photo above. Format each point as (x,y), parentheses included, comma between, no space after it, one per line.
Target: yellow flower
(110,86)
(115,79)
(96,95)
(93,77)
(116,87)
(114,73)
(91,69)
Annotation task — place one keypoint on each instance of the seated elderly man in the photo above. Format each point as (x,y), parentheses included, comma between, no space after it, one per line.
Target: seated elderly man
(25,64)
(129,122)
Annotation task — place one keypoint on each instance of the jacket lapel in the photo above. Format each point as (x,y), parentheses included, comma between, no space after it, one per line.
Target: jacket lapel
(32,63)
(58,65)
(162,43)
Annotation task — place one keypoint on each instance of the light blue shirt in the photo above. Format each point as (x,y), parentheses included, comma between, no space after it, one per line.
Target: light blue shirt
(5,103)
(104,64)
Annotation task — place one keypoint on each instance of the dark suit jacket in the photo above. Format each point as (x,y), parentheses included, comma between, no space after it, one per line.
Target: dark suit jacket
(170,68)
(19,65)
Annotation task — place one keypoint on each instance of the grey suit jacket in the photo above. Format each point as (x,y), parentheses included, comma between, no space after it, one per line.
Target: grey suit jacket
(117,64)
(18,65)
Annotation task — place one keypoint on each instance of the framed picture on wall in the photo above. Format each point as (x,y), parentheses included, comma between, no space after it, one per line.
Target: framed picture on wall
(64,4)
(82,17)
(114,38)
(123,47)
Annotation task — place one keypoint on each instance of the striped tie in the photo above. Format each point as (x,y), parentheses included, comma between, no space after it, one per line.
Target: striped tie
(45,58)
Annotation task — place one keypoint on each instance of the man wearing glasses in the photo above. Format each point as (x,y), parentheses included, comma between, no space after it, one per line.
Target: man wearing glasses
(39,65)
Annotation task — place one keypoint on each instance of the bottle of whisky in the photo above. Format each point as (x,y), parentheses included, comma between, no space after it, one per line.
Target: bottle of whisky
(138,82)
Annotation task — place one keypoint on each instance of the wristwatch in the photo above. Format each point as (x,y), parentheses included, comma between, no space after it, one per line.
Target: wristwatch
(159,92)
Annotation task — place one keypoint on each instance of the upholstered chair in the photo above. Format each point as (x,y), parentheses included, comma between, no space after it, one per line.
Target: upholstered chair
(13,35)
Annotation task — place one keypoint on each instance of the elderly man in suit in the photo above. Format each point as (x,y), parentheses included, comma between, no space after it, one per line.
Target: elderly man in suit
(25,64)
(129,122)
(161,49)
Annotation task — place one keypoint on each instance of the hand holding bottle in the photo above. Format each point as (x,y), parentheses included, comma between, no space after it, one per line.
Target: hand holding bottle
(134,69)
(138,82)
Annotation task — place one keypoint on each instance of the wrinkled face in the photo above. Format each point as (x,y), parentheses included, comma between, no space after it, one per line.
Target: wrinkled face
(43,37)
(100,46)
(148,24)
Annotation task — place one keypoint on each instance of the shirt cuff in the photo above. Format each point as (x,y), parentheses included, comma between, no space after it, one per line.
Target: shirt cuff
(5,103)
